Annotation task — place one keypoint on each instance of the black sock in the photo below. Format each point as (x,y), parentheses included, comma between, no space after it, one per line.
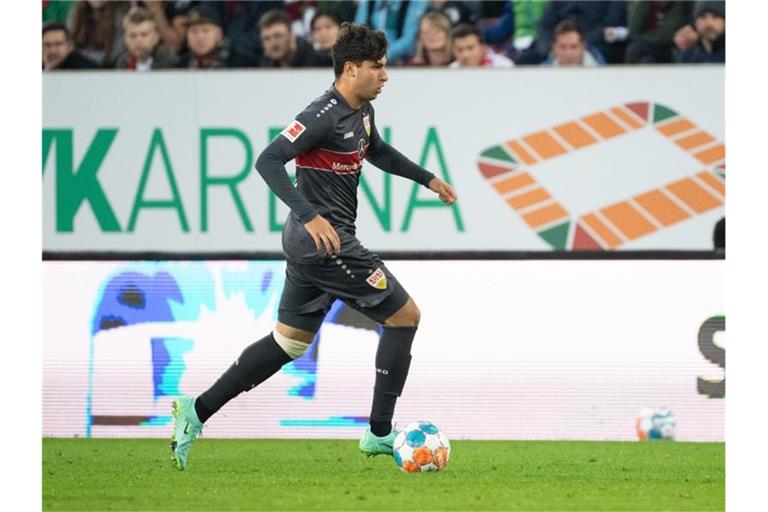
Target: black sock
(393,358)
(258,362)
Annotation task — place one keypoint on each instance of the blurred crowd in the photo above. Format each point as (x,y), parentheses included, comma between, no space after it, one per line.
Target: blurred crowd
(153,34)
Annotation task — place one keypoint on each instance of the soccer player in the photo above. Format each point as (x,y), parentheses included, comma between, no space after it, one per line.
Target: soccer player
(329,140)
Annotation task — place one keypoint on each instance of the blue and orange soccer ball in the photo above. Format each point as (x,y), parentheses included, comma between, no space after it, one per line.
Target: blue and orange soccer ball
(655,424)
(421,447)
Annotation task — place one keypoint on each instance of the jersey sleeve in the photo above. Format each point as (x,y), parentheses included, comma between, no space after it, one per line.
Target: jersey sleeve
(307,131)
(390,160)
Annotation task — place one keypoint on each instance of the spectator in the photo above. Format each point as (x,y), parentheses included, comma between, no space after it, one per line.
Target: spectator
(239,21)
(59,50)
(433,47)
(457,12)
(346,9)
(142,42)
(685,37)
(170,19)
(56,10)
(570,49)
(398,19)
(97,29)
(519,20)
(282,48)
(652,26)
(592,17)
(207,46)
(325,30)
(710,28)
(470,50)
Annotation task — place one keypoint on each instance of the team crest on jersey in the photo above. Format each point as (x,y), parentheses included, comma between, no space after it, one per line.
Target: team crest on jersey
(293,131)
(367,124)
(378,279)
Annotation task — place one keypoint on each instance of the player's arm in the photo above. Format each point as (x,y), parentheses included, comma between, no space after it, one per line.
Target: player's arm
(390,160)
(303,134)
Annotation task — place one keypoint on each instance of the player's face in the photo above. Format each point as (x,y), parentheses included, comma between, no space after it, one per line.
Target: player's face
(140,39)
(276,40)
(569,49)
(202,38)
(370,78)
(55,48)
(468,51)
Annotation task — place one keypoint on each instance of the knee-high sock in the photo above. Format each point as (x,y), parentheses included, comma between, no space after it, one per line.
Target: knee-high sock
(258,362)
(393,358)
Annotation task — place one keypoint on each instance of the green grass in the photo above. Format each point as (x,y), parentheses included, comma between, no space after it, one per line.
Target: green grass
(110,474)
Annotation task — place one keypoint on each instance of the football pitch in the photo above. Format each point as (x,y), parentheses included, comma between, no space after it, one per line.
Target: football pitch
(137,474)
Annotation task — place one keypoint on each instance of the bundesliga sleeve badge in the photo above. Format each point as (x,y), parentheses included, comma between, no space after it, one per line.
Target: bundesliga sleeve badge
(293,131)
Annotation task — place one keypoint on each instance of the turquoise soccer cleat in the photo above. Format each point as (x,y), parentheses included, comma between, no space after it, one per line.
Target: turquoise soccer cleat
(186,428)
(372,445)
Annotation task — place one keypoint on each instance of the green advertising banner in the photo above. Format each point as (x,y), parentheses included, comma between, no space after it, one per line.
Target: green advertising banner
(542,159)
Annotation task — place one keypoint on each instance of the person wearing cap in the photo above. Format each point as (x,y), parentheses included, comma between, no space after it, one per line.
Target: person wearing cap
(206,44)
(705,41)
(282,49)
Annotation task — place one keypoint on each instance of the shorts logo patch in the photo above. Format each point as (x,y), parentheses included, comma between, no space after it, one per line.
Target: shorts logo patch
(293,131)
(378,279)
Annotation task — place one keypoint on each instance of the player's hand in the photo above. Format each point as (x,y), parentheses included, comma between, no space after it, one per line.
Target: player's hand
(324,235)
(446,192)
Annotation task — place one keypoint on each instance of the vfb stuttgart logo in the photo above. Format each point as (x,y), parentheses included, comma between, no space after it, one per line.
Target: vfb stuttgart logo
(510,168)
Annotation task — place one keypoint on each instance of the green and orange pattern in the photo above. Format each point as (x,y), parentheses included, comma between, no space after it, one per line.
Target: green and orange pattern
(504,166)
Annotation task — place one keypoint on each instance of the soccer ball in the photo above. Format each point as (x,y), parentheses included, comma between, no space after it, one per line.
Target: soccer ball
(421,447)
(655,424)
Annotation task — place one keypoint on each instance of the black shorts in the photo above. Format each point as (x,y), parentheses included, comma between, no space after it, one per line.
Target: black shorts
(356,276)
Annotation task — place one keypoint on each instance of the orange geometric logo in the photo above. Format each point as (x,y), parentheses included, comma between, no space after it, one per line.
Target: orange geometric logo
(506,167)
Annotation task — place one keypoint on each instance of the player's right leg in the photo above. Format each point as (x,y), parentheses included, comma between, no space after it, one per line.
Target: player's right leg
(301,312)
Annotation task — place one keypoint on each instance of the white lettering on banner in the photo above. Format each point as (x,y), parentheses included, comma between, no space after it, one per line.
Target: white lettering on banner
(636,164)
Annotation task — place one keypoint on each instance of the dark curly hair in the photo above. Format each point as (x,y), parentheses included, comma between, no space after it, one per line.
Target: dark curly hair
(357,43)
